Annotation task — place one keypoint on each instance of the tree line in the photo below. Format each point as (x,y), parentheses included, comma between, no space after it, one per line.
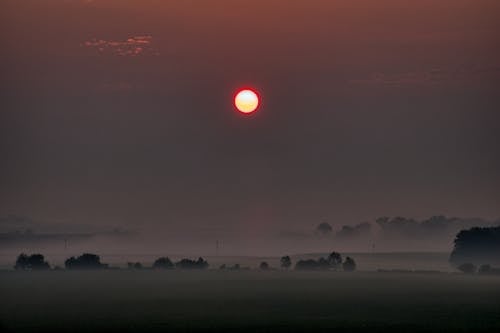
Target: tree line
(90,261)
(435,227)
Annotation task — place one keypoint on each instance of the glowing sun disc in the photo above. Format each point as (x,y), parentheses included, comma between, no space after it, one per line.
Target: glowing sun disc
(246,101)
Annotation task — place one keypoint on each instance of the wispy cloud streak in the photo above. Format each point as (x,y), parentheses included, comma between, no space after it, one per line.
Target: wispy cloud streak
(131,47)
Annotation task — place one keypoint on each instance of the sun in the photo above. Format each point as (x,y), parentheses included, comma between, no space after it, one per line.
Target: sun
(246,101)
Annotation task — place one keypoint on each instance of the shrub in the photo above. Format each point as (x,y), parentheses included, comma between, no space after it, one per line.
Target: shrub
(136,265)
(349,265)
(467,268)
(264,266)
(32,262)
(334,260)
(85,261)
(163,263)
(286,262)
(192,264)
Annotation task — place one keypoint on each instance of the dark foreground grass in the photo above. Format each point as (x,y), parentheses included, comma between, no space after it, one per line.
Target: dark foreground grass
(173,301)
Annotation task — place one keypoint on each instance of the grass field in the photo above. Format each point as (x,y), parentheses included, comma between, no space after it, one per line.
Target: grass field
(217,301)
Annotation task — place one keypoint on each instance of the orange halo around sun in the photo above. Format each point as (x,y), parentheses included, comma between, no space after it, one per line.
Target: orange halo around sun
(246,101)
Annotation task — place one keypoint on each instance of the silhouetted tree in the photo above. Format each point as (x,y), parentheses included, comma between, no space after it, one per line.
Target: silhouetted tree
(22,262)
(467,268)
(136,265)
(192,264)
(32,262)
(85,261)
(324,228)
(286,262)
(163,263)
(37,261)
(264,266)
(477,245)
(334,260)
(349,265)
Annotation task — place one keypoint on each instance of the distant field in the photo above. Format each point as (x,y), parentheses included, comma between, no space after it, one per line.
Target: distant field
(217,301)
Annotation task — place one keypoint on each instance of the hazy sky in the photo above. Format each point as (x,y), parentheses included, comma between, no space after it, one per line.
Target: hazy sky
(120,112)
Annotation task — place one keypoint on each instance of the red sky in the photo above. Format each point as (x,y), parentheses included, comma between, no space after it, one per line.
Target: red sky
(119,112)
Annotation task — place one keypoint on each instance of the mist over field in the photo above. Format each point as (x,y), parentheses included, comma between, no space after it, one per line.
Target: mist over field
(398,234)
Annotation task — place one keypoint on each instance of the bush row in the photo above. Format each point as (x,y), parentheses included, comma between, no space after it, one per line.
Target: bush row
(92,261)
